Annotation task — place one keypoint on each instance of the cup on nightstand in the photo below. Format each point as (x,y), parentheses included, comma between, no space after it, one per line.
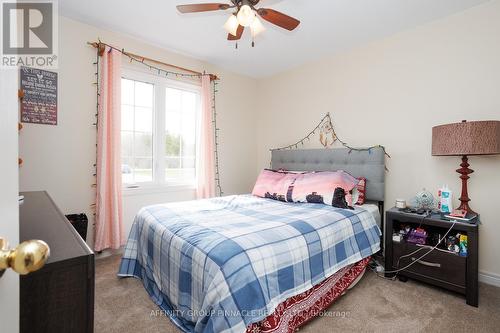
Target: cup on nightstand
(400,203)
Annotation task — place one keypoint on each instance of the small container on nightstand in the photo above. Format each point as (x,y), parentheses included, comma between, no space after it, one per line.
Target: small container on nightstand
(439,267)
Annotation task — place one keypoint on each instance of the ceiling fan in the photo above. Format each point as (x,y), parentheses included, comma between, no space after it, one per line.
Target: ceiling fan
(245,15)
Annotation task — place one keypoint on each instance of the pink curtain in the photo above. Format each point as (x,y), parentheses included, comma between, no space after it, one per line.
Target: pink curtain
(205,164)
(109,228)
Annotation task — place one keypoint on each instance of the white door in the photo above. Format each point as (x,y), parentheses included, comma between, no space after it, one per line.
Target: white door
(9,191)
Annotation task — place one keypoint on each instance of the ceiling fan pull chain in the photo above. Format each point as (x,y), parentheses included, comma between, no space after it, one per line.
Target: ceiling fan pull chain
(236,45)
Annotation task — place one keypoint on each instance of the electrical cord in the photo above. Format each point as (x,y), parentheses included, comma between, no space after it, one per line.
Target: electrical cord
(377,264)
(412,253)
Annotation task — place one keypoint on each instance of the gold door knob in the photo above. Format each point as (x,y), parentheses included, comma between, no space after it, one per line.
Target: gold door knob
(27,257)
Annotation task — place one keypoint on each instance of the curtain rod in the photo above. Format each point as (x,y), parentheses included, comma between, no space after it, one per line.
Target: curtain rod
(100,45)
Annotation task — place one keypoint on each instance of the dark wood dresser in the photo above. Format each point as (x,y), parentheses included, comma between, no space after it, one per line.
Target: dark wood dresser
(60,296)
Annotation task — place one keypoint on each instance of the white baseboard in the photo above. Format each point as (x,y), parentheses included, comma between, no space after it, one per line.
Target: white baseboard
(490,278)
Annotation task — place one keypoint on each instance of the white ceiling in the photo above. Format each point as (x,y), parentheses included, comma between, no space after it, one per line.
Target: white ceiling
(328,26)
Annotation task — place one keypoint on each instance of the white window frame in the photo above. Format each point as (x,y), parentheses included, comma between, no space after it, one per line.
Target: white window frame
(159,183)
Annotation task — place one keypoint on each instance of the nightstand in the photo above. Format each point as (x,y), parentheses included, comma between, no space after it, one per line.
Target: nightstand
(440,267)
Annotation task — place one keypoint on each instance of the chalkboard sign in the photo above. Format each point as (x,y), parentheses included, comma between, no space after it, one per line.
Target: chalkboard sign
(39,104)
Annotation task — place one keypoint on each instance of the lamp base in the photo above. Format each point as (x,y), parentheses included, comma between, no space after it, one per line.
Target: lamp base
(464,172)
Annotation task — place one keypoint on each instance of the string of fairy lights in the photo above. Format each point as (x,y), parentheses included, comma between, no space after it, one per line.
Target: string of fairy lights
(141,60)
(216,140)
(328,137)
(165,73)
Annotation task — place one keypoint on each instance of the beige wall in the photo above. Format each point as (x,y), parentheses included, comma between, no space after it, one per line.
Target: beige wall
(60,158)
(392,92)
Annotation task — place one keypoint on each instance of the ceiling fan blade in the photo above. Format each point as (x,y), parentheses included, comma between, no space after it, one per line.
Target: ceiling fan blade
(202,7)
(280,19)
(239,33)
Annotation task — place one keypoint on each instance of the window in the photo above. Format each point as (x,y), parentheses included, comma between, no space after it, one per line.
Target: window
(159,131)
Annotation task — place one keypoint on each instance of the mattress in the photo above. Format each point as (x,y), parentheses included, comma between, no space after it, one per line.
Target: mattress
(219,265)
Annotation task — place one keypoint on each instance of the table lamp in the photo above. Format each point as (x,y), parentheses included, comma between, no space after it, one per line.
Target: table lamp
(465,139)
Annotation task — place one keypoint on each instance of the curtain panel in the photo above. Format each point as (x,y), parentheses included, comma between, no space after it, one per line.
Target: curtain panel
(205,162)
(109,212)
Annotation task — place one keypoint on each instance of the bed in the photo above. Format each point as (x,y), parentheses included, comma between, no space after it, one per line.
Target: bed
(248,264)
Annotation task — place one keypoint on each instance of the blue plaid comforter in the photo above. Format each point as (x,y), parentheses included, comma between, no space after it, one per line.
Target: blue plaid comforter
(218,265)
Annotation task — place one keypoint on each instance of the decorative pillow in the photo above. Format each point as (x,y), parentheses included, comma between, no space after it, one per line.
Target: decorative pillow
(361,188)
(319,187)
(274,184)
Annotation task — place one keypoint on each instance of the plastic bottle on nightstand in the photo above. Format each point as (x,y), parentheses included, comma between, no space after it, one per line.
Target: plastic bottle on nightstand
(445,199)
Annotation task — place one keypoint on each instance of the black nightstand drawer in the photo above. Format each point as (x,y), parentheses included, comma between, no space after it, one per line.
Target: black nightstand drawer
(439,265)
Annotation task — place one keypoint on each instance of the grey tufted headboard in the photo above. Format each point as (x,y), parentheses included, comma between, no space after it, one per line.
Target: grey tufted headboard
(370,165)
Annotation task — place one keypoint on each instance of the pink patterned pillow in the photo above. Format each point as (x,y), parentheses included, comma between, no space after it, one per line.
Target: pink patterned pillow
(319,186)
(274,184)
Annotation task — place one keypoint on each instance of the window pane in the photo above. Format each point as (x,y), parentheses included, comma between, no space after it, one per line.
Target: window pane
(137,131)
(172,162)
(189,162)
(127,118)
(188,150)
(127,92)
(180,126)
(143,145)
(143,119)
(143,170)
(127,144)
(172,145)
(173,123)
(143,94)
(173,98)
(188,134)
(188,102)
(127,174)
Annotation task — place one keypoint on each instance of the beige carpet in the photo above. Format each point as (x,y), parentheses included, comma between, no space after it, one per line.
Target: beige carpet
(374,305)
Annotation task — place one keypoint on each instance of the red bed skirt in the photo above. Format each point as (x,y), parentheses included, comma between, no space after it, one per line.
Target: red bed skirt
(297,310)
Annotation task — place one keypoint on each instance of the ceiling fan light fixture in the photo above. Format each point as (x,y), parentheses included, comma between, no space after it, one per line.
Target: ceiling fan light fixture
(256,27)
(246,16)
(231,25)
